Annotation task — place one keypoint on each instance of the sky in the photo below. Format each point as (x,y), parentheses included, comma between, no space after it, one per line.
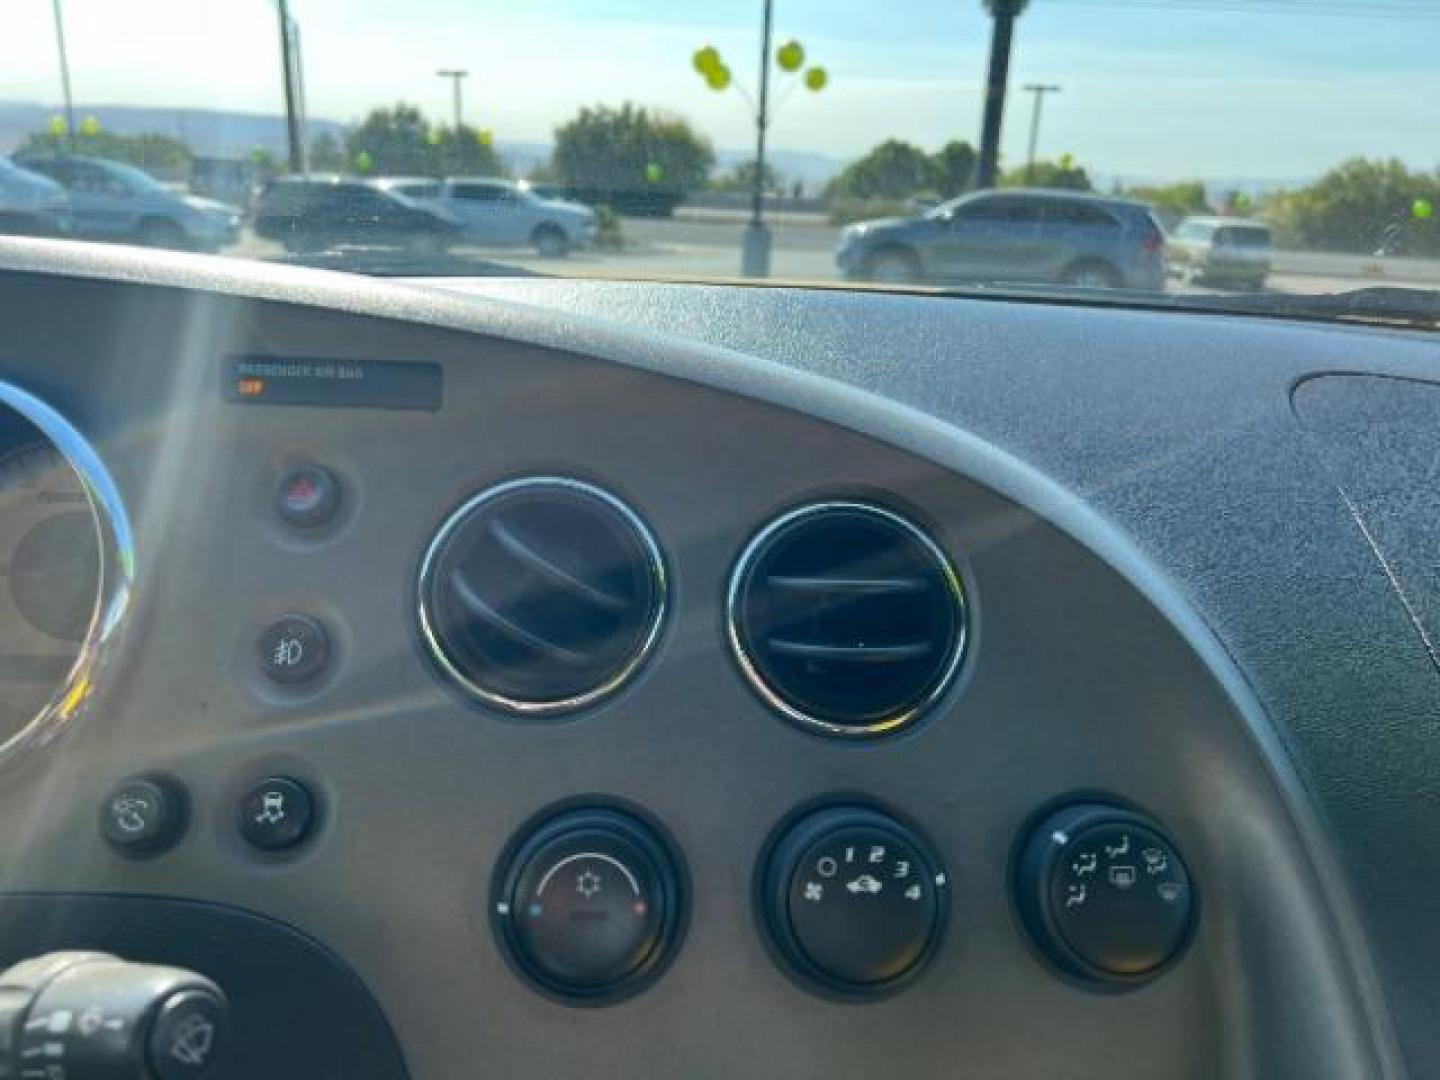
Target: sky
(1150,89)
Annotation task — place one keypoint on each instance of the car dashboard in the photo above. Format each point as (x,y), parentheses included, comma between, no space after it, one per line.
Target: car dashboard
(582,679)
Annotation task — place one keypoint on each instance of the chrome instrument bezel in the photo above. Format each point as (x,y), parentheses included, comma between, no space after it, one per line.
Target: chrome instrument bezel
(117,572)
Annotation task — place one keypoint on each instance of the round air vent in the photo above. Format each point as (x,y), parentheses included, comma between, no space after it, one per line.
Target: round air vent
(847,618)
(542,595)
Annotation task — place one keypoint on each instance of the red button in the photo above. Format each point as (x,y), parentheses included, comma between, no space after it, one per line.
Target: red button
(308,497)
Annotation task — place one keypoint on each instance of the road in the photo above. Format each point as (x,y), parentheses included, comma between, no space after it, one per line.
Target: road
(706,244)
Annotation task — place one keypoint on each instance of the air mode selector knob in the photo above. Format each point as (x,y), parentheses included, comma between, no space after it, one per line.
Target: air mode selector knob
(853,901)
(589,905)
(1105,894)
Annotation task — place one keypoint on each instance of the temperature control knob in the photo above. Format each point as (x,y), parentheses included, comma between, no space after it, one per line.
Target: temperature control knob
(853,901)
(1105,894)
(589,905)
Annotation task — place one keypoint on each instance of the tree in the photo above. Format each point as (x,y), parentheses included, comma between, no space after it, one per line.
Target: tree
(399,141)
(893,170)
(149,150)
(631,158)
(326,153)
(1173,201)
(1236,203)
(467,151)
(952,168)
(742,179)
(395,140)
(1359,206)
(1050,174)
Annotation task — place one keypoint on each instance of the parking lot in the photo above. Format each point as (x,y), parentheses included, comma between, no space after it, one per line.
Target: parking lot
(705,244)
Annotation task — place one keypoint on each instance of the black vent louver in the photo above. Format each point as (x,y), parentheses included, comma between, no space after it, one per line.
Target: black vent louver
(847,617)
(542,595)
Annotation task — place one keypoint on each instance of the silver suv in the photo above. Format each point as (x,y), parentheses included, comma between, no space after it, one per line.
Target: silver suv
(1223,251)
(1013,235)
(497,212)
(110,200)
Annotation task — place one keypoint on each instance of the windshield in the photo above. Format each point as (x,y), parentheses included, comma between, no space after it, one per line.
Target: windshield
(1245,236)
(945,209)
(137,180)
(740,139)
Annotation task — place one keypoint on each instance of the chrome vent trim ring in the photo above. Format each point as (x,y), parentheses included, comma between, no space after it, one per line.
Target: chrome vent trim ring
(514,704)
(891,722)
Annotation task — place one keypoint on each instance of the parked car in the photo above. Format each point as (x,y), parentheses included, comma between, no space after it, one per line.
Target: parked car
(110,200)
(498,212)
(31,204)
(317,212)
(1013,235)
(1223,251)
(554,192)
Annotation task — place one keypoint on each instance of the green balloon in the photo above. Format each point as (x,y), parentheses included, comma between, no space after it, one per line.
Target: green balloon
(706,59)
(816,79)
(1423,209)
(790,56)
(654,173)
(364,162)
(718,78)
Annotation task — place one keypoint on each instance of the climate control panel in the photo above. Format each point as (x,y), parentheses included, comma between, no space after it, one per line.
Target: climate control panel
(589,902)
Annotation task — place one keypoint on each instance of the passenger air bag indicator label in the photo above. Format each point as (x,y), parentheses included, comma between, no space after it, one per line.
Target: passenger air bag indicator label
(344,384)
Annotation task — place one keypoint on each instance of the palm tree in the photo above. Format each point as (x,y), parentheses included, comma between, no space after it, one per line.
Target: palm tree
(1004,12)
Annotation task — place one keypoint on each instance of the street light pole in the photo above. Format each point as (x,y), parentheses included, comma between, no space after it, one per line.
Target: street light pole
(1039,90)
(64,75)
(298,55)
(454,75)
(1005,13)
(287,68)
(755,254)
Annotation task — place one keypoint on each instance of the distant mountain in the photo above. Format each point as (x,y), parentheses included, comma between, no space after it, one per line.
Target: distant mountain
(209,132)
(224,134)
(1216,186)
(810,168)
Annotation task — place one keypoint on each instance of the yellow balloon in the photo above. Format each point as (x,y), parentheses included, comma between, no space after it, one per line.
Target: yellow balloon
(816,79)
(718,78)
(58,125)
(706,59)
(89,126)
(433,136)
(790,56)
(485,136)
